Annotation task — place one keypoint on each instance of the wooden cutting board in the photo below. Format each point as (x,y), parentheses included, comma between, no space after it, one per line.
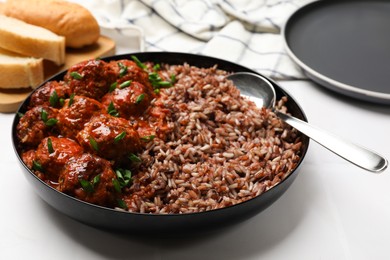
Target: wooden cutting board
(11,99)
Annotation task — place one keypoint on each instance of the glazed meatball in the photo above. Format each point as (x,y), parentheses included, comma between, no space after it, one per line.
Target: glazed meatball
(129,70)
(109,137)
(154,121)
(36,124)
(75,113)
(128,101)
(50,94)
(53,153)
(88,178)
(91,78)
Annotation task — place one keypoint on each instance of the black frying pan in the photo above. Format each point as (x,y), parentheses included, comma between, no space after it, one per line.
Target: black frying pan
(344,46)
(115,220)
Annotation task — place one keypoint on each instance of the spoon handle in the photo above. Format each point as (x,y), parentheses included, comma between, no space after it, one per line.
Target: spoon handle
(351,152)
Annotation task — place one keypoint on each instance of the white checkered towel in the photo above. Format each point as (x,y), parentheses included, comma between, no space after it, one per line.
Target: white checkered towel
(243,31)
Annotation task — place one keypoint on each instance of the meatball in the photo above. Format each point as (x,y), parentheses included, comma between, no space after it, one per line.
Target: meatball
(128,101)
(90,78)
(129,70)
(155,121)
(53,153)
(109,137)
(36,124)
(88,178)
(50,94)
(75,113)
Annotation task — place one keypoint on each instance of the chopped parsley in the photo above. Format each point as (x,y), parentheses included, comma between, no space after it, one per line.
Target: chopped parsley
(123,177)
(122,69)
(62,101)
(138,62)
(140,98)
(96,180)
(86,185)
(154,78)
(71,99)
(122,180)
(119,137)
(50,148)
(157,82)
(125,84)
(53,99)
(147,138)
(122,204)
(37,166)
(156,67)
(51,122)
(134,158)
(43,115)
(111,110)
(46,120)
(117,185)
(113,87)
(89,186)
(76,75)
(94,144)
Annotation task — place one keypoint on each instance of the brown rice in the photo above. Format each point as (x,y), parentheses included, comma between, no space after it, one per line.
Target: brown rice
(221,150)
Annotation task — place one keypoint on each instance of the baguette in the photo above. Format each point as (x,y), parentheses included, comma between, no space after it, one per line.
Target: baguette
(19,72)
(67,19)
(31,40)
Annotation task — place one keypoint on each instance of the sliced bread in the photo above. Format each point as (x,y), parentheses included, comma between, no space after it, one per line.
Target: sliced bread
(68,19)
(18,71)
(31,40)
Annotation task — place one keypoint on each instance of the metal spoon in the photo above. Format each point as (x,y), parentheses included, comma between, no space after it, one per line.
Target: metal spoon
(262,92)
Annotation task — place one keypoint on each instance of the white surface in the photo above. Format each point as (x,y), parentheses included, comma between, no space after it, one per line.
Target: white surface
(333,210)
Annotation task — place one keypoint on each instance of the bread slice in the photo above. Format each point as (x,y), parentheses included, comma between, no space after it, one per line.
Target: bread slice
(31,40)
(68,19)
(18,71)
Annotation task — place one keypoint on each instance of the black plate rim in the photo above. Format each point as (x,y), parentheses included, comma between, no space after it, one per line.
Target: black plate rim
(346,89)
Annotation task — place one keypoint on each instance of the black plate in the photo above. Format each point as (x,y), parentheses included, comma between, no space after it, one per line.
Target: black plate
(344,46)
(115,220)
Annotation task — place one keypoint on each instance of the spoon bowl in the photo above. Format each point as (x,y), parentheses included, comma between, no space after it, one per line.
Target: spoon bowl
(262,93)
(256,88)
